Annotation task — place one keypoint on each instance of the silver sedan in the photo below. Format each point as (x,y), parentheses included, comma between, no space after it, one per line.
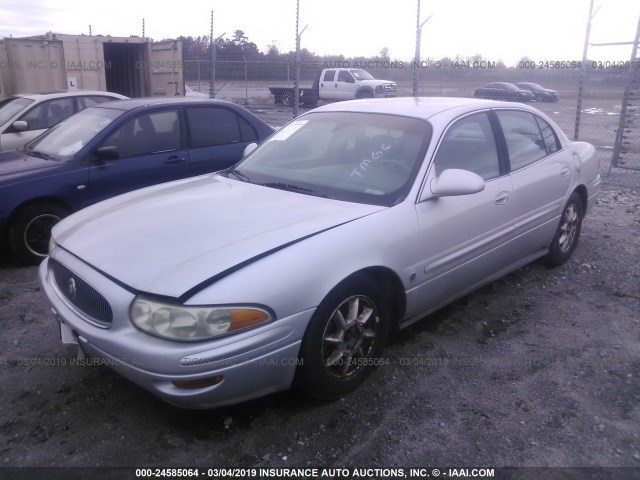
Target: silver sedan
(293,266)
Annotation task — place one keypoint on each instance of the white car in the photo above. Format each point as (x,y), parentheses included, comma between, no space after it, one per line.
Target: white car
(26,115)
(294,265)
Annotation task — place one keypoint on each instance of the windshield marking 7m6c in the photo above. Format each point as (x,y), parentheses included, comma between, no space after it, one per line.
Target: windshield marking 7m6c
(361,157)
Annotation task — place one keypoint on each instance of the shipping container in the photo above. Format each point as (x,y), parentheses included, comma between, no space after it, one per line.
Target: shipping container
(131,66)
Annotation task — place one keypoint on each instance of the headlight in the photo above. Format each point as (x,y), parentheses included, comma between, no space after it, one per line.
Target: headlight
(379,88)
(181,322)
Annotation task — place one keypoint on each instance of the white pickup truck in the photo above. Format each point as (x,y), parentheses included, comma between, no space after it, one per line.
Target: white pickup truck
(337,84)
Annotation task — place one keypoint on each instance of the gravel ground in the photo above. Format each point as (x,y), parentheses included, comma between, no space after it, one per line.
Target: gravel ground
(541,368)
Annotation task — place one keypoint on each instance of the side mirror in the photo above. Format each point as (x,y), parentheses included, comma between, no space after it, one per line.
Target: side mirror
(248,149)
(20,125)
(453,182)
(105,154)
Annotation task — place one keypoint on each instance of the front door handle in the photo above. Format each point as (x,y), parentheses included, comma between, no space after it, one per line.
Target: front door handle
(502,198)
(173,160)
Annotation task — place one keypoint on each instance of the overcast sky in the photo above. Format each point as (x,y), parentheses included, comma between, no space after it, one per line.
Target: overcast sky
(497,29)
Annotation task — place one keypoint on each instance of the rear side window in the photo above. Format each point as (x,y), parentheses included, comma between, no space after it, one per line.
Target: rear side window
(469,144)
(210,126)
(90,101)
(551,142)
(525,144)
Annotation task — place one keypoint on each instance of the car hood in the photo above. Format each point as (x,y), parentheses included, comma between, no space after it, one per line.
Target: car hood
(16,165)
(375,82)
(170,238)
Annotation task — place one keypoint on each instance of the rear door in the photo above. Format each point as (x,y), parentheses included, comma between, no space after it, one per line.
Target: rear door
(327,87)
(540,173)
(217,137)
(151,151)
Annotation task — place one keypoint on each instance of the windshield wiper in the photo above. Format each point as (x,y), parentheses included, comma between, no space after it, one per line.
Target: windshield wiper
(37,154)
(289,187)
(237,174)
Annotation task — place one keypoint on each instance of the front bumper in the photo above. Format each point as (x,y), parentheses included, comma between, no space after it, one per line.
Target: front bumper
(251,363)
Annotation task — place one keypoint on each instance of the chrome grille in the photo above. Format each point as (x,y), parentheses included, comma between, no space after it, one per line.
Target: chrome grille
(390,89)
(82,295)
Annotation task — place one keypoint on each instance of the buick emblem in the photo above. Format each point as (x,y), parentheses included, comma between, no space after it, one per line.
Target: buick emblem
(72,289)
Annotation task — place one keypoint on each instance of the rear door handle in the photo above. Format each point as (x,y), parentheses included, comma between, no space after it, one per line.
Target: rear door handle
(502,198)
(564,171)
(173,160)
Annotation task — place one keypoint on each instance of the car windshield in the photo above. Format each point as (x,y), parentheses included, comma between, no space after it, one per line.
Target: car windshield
(361,75)
(68,137)
(12,105)
(365,158)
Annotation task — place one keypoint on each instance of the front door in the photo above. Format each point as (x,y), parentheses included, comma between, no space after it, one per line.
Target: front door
(464,239)
(150,151)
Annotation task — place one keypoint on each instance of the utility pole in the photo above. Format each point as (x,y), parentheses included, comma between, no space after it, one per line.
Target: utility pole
(583,71)
(296,84)
(416,59)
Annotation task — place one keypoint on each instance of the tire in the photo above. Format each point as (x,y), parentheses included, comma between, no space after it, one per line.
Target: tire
(287,99)
(566,237)
(339,351)
(30,232)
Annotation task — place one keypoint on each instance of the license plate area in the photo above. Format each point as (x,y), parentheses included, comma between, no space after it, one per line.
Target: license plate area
(66,334)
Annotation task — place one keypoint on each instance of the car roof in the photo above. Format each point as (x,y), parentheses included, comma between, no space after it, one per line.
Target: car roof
(133,103)
(66,93)
(418,107)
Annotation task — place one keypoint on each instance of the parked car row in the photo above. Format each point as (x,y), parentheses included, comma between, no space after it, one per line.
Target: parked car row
(295,264)
(519,92)
(113,148)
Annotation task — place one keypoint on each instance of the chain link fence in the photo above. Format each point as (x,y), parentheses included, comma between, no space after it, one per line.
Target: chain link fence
(608,92)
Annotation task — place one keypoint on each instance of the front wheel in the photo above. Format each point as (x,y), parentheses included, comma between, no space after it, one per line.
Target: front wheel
(565,239)
(344,340)
(287,99)
(30,232)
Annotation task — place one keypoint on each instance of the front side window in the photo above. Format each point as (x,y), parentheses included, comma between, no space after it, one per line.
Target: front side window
(11,106)
(365,158)
(147,133)
(47,114)
(344,76)
(524,140)
(469,144)
(329,76)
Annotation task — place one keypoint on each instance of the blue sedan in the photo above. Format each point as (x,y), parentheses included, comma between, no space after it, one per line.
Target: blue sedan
(111,149)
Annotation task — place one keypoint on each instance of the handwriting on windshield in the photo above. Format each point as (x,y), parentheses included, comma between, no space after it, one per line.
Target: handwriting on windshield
(363,166)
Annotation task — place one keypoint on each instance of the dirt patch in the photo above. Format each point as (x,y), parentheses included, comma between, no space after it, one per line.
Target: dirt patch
(541,368)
